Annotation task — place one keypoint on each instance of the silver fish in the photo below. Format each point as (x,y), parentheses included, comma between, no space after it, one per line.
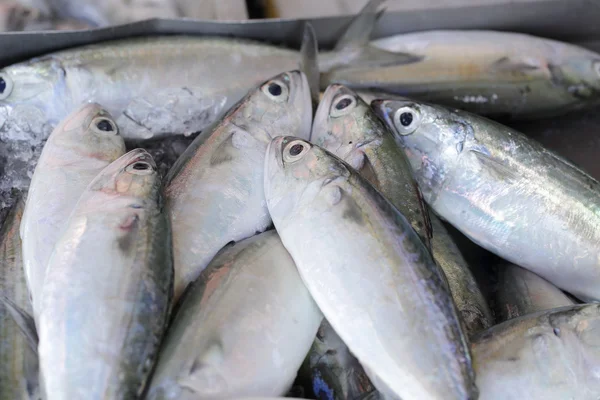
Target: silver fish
(504,191)
(108,287)
(549,355)
(521,292)
(346,126)
(499,74)
(214,192)
(242,329)
(369,273)
(79,148)
(18,359)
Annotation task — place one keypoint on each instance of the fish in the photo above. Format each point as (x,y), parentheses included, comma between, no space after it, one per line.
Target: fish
(127,76)
(214,192)
(498,74)
(332,372)
(108,287)
(242,328)
(552,354)
(369,272)
(520,292)
(79,148)
(504,191)
(18,357)
(346,126)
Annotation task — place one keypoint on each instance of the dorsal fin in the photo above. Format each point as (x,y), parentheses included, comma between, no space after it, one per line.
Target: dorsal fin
(309,53)
(360,29)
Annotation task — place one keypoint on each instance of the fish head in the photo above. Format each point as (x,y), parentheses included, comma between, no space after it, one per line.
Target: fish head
(90,130)
(346,126)
(280,106)
(133,177)
(431,136)
(579,76)
(298,175)
(29,94)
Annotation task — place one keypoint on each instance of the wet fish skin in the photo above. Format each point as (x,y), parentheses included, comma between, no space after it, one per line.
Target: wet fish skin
(114,258)
(521,292)
(248,307)
(499,74)
(551,354)
(222,171)
(386,315)
(74,154)
(356,135)
(18,360)
(505,192)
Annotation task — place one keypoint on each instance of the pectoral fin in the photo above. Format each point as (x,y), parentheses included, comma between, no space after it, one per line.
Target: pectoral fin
(494,167)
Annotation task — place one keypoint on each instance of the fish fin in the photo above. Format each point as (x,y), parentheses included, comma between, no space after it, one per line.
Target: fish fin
(493,167)
(367,171)
(358,33)
(353,51)
(309,54)
(425,215)
(230,147)
(204,372)
(23,320)
(507,64)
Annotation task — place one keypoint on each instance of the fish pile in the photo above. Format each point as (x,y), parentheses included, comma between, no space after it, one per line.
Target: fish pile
(286,252)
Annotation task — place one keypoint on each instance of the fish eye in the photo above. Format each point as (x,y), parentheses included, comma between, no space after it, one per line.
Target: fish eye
(140,168)
(6,86)
(406,120)
(343,105)
(275,90)
(295,150)
(104,125)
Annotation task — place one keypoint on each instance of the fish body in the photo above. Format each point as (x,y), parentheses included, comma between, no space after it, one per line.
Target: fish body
(521,292)
(79,148)
(242,329)
(548,355)
(214,192)
(504,191)
(346,126)
(18,360)
(138,82)
(369,273)
(108,287)
(499,74)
